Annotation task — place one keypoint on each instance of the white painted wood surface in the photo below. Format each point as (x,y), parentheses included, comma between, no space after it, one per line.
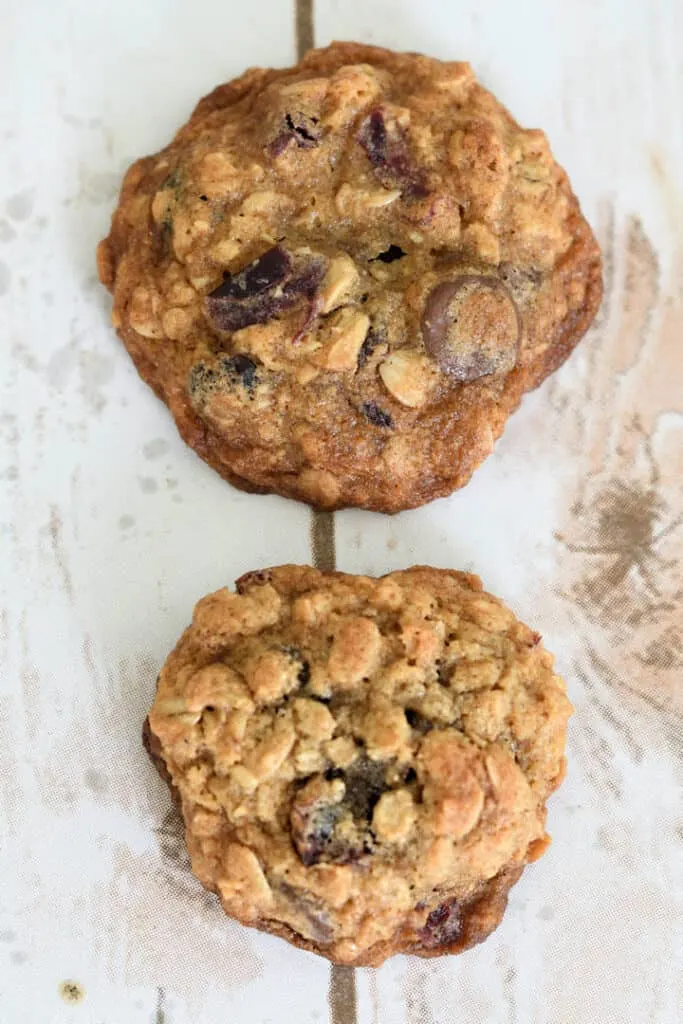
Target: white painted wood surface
(110,530)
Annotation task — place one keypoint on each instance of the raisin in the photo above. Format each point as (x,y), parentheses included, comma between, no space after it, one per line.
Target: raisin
(387,150)
(377,416)
(443,927)
(271,284)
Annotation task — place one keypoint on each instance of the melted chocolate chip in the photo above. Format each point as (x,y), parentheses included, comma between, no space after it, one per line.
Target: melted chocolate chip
(443,927)
(377,416)
(271,284)
(471,326)
(394,252)
(387,150)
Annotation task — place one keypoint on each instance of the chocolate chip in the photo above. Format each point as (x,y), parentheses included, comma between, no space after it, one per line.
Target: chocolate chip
(373,338)
(377,416)
(304,673)
(443,927)
(314,822)
(365,784)
(394,252)
(387,150)
(243,369)
(418,721)
(298,128)
(272,283)
(471,326)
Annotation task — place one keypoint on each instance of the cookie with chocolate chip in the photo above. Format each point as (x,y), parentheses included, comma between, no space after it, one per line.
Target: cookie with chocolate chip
(362,764)
(343,276)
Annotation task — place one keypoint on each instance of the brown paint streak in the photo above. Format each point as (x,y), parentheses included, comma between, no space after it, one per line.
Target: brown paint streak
(621,542)
(57,543)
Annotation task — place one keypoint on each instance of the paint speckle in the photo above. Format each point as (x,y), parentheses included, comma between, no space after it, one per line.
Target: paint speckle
(20,205)
(148,484)
(5,278)
(156,447)
(18,956)
(546,913)
(71,992)
(96,371)
(95,781)
(126,522)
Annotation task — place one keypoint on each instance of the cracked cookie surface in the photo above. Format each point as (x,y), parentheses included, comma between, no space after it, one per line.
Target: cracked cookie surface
(342,277)
(362,764)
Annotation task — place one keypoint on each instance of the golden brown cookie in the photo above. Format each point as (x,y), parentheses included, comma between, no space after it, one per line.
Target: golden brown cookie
(342,277)
(362,764)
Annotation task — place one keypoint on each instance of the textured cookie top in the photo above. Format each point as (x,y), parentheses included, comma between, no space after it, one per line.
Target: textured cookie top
(350,752)
(343,276)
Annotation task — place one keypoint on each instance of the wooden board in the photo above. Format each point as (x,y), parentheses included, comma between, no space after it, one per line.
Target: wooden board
(111,529)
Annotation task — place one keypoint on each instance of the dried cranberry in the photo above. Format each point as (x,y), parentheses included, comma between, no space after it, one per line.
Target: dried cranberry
(443,927)
(387,151)
(298,128)
(272,283)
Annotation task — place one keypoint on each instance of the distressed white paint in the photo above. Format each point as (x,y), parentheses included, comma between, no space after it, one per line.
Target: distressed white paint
(111,529)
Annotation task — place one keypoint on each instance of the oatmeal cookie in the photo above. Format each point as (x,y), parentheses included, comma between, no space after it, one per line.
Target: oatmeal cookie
(362,764)
(342,277)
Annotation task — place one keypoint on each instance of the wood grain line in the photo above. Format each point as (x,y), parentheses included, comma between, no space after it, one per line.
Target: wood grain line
(323,545)
(342,995)
(342,987)
(303,14)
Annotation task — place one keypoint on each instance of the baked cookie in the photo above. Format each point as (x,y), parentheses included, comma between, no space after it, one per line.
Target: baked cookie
(342,277)
(362,764)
